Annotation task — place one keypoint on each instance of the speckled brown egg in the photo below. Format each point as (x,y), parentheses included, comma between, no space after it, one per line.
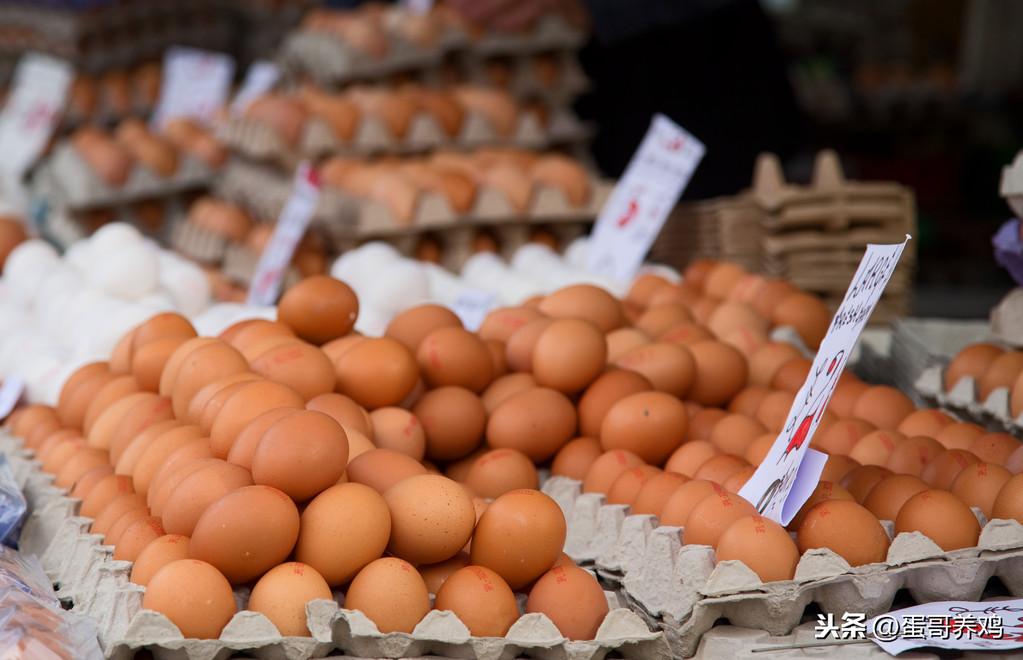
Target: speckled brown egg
(569,355)
(536,422)
(319,309)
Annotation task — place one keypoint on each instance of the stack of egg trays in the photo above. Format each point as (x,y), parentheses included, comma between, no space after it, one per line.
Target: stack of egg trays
(257,141)
(683,590)
(727,229)
(330,62)
(98,586)
(348,221)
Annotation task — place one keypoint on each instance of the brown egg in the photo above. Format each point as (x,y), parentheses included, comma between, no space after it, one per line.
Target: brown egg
(453,420)
(746,341)
(301,454)
(702,423)
(102,429)
(398,430)
(807,314)
(860,480)
(607,468)
(734,433)
(345,412)
(688,458)
(712,515)
(883,406)
(942,517)
(122,523)
(496,349)
(941,472)
(650,424)
(720,468)
(434,575)
(536,422)
(748,400)
(197,491)
(913,455)
(683,500)
(136,537)
(451,356)
(282,593)
(498,471)
(995,448)
(928,422)
(686,333)
(481,599)
(12,234)
(825,490)
(154,457)
(887,497)
(210,400)
(81,461)
(568,355)
(765,363)
(108,160)
(380,469)
(644,287)
(626,487)
(246,532)
(660,319)
(170,370)
(1003,371)
(504,387)
(169,476)
(1014,463)
(301,366)
(774,410)
(25,419)
(114,389)
(959,435)
(762,545)
(432,517)
(876,447)
(140,443)
(791,376)
(285,116)
(1009,503)
(722,278)
(572,599)
(250,400)
(576,457)
(414,324)
(193,595)
(349,517)
(668,367)
(978,485)
(721,373)
(603,393)
(319,309)
(503,322)
(407,600)
(842,436)
(698,271)
(847,529)
(757,451)
(104,492)
(586,302)
(78,390)
(58,456)
(115,508)
(972,361)
(846,393)
(836,468)
(621,341)
(656,492)
(88,481)
(139,417)
(379,372)
(246,334)
(162,326)
(157,554)
(519,536)
(203,365)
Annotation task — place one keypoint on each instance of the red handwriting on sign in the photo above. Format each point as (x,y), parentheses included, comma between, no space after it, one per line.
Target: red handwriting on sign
(630,214)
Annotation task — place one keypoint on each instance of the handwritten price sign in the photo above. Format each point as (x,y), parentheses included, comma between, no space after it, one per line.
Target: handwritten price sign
(791,470)
(639,205)
(291,226)
(195,84)
(33,109)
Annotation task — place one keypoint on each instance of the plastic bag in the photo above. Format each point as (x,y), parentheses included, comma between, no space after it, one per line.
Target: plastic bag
(12,505)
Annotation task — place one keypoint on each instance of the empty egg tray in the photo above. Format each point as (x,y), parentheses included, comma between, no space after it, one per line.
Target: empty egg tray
(684,591)
(99,586)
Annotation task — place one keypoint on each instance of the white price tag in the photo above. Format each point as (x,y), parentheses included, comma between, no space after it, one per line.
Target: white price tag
(784,480)
(10,393)
(291,226)
(259,79)
(34,107)
(472,306)
(643,198)
(963,625)
(195,84)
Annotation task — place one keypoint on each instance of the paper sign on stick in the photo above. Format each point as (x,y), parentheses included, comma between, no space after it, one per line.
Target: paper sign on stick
(291,226)
(10,393)
(962,625)
(259,79)
(34,107)
(784,481)
(643,198)
(195,84)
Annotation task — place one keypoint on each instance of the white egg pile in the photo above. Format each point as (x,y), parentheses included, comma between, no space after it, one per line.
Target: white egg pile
(57,313)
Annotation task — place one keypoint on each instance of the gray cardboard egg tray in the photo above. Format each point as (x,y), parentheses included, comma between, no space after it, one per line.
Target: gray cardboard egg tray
(67,178)
(684,591)
(993,412)
(255,140)
(265,191)
(331,62)
(99,587)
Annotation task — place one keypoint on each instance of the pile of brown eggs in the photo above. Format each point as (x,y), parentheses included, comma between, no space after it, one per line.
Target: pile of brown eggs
(991,367)
(302,458)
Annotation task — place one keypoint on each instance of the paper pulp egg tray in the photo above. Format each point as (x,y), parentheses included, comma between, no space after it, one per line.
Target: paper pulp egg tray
(684,591)
(99,586)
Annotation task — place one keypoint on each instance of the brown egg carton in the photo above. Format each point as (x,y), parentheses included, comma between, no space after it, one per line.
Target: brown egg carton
(68,181)
(264,191)
(686,591)
(259,142)
(98,586)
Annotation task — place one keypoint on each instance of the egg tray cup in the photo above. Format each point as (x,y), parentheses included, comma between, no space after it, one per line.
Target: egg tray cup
(257,141)
(98,586)
(569,82)
(67,178)
(994,412)
(683,589)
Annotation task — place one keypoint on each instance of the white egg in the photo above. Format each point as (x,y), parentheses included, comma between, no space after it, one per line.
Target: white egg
(185,282)
(112,238)
(578,251)
(372,321)
(129,274)
(402,285)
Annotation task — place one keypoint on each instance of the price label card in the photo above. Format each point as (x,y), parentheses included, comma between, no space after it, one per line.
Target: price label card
(33,109)
(259,79)
(643,198)
(472,306)
(962,625)
(10,393)
(195,84)
(785,480)
(291,226)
